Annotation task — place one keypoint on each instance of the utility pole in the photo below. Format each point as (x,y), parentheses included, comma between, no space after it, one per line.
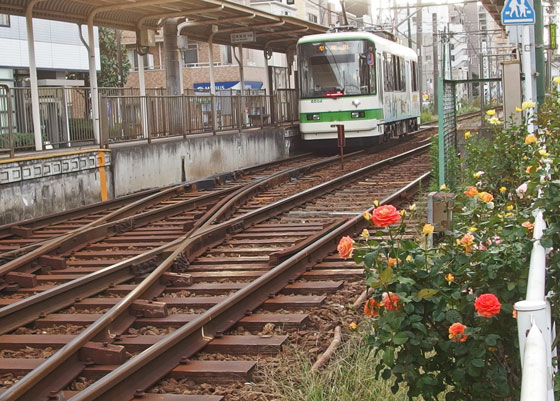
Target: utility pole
(409,28)
(539,50)
(419,35)
(435,61)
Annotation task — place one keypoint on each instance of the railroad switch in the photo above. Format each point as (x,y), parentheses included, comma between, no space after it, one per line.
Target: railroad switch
(144,308)
(25,280)
(103,353)
(176,279)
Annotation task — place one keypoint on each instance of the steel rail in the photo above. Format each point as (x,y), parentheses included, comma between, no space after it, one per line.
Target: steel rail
(136,199)
(28,309)
(151,365)
(37,383)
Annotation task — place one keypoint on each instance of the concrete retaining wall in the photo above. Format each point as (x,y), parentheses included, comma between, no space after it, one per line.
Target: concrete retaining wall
(38,186)
(175,160)
(35,187)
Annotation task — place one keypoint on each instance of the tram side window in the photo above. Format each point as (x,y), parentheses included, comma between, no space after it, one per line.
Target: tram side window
(364,75)
(388,73)
(413,77)
(372,79)
(399,74)
(402,75)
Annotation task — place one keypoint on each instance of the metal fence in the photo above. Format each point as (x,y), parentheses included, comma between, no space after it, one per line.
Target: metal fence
(129,118)
(482,94)
(66,114)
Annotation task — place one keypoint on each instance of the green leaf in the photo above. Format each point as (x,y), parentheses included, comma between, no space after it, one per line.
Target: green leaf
(478,363)
(510,286)
(400,338)
(491,339)
(386,275)
(369,259)
(389,356)
(426,293)
(420,327)
(453,316)
(546,242)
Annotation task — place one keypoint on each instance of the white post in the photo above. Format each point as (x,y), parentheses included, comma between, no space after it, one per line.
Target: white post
(527,67)
(93,81)
(181,65)
(266,76)
(33,77)
(535,373)
(143,100)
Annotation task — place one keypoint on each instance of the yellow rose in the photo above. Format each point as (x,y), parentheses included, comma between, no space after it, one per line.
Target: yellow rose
(556,80)
(509,214)
(503,189)
(491,113)
(528,169)
(376,203)
(443,187)
(409,258)
(428,229)
(543,152)
(365,234)
(518,109)
(529,139)
(403,213)
(528,105)
(449,278)
(367,216)
(467,134)
(352,326)
(509,207)
(494,121)
(472,229)
(485,197)
(412,207)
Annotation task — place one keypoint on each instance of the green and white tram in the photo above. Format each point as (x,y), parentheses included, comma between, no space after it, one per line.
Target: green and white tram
(358,79)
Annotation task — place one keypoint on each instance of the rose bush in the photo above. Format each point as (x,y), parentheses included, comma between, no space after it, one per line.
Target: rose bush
(442,318)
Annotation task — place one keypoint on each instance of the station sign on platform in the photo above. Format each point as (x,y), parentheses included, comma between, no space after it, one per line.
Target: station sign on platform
(242,37)
(518,12)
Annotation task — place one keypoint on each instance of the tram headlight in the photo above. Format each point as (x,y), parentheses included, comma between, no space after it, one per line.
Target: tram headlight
(314,117)
(358,114)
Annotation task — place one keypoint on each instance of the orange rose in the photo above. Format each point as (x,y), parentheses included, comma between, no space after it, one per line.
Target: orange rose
(392,261)
(487,305)
(457,332)
(390,301)
(385,215)
(528,225)
(467,241)
(485,197)
(345,247)
(471,191)
(371,308)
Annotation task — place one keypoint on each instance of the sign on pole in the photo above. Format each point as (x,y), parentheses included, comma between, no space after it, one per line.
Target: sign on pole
(552,38)
(242,37)
(518,12)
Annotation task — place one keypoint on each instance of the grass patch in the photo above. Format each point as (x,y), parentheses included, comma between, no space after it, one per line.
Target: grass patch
(350,376)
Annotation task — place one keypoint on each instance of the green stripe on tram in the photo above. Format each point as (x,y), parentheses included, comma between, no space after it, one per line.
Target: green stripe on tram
(334,116)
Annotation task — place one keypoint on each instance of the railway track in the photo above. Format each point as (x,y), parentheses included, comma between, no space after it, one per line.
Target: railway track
(255,262)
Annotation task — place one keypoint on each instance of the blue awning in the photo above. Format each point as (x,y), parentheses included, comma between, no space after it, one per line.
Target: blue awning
(227,85)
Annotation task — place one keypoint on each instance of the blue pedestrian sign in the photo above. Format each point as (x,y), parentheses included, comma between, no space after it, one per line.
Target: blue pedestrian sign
(518,12)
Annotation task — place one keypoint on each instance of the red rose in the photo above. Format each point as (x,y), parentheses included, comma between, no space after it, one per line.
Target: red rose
(390,301)
(487,305)
(457,332)
(385,215)
(345,247)
(371,308)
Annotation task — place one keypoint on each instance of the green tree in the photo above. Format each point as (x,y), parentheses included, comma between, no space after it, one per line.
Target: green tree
(110,74)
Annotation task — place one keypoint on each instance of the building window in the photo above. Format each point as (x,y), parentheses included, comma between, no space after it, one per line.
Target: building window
(148,60)
(190,55)
(311,17)
(4,20)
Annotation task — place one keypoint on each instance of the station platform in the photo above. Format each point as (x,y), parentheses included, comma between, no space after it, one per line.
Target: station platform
(35,184)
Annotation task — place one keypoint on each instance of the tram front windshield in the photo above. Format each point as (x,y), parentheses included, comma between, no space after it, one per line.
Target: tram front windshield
(334,68)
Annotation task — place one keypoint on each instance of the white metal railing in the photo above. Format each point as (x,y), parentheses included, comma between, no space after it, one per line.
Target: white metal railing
(534,326)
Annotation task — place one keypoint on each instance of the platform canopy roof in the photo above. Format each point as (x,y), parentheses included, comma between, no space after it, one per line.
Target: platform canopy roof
(204,17)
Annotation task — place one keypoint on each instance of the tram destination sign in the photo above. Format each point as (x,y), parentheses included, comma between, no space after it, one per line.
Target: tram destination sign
(242,37)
